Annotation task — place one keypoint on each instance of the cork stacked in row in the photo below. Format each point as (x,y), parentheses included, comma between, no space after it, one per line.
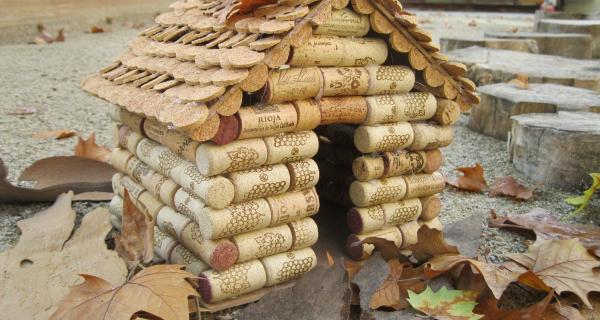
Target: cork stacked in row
(218,105)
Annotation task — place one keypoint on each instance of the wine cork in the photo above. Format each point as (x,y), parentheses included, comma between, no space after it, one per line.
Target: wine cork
(119,158)
(219,254)
(158,157)
(345,81)
(303,174)
(128,138)
(305,233)
(172,223)
(384,137)
(132,120)
(292,206)
(116,183)
(412,106)
(389,80)
(346,23)
(423,185)
(447,112)
(374,192)
(193,264)
(213,159)
(163,244)
(433,161)
(216,192)
(176,141)
(159,185)
(288,266)
(434,223)
(429,136)
(309,114)
(188,205)
(361,251)
(432,206)
(350,110)
(235,219)
(289,147)
(331,51)
(367,167)
(403,162)
(141,198)
(239,279)
(261,182)
(229,130)
(409,232)
(267,120)
(262,243)
(362,220)
(401,212)
(293,84)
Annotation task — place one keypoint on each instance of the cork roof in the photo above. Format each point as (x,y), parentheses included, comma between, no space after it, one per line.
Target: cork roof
(202,55)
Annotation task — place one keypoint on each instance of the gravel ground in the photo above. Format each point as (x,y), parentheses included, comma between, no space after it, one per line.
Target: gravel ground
(47,78)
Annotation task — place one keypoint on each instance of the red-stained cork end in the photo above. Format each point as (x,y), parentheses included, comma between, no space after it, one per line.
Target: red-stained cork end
(355,222)
(204,288)
(354,247)
(224,256)
(229,130)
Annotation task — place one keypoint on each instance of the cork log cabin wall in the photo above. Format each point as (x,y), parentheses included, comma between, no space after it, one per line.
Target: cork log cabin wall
(236,118)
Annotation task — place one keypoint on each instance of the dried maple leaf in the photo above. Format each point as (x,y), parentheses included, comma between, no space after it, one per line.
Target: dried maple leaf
(564,265)
(89,149)
(96,29)
(561,312)
(160,290)
(136,241)
(509,186)
(472,179)
(430,243)
(352,268)
(548,227)
(488,306)
(521,81)
(496,277)
(56,134)
(387,248)
(61,36)
(44,37)
(445,304)
(393,292)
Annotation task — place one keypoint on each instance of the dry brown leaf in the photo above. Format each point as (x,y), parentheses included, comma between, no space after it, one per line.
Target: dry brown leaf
(548,227)
(38,271)
(564,265)
(393,292)
(471,180)
(496,277)
(89,149)
(57,175)
(562,312)
(387,248)
(521,81)
(135,244)
(509,186)
(430,243)
(43,37)
(61,36)
(330,260)
(488,306)
(352,268)
(160,290)
(56,134)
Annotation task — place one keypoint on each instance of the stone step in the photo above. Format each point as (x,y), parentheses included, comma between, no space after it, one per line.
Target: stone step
(488,66)
(522,45)
(501,101)
(570,45)
(591,27)
(558,150)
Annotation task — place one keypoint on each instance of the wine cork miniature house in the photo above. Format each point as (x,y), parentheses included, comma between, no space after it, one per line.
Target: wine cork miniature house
(222,106)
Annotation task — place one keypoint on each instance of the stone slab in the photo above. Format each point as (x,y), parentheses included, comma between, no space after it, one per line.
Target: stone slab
(591,27)
(501,101)
(570,45)
(557,150)
(522,45)
(488,66)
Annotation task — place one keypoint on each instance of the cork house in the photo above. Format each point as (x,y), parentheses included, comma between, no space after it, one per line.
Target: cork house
(235,119)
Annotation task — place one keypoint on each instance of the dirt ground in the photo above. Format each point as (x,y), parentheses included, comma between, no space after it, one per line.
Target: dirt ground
(47,78)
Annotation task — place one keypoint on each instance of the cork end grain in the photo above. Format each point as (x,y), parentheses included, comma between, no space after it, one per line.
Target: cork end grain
(205,288)
(224,256)
(229,130)
(354,220)
(220,193)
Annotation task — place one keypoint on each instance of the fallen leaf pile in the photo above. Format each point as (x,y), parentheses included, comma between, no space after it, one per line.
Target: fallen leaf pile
(473,180)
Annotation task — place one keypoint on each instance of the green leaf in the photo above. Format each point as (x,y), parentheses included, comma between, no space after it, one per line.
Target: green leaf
(445,304)
(583,200)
